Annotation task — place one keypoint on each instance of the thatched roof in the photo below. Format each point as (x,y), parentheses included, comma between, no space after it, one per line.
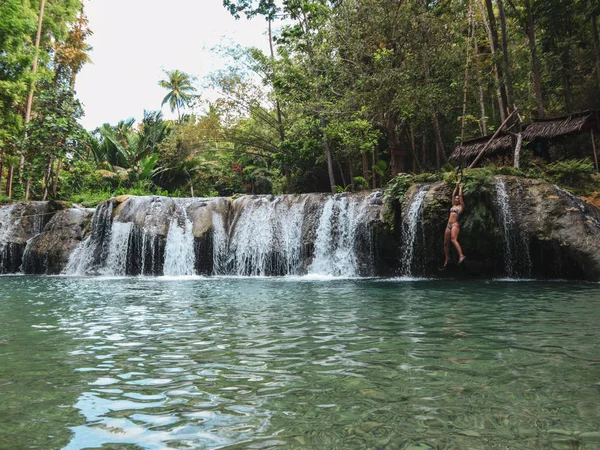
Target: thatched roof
(560,126)
(471,148)
(540,128)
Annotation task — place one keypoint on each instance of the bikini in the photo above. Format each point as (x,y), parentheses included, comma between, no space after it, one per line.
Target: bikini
(454,209)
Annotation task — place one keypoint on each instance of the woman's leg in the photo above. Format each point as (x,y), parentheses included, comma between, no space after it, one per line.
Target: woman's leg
(447,246)
(454,237)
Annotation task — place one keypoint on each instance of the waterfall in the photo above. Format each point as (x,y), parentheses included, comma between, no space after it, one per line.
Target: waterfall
(249,236)
(265,239)
(116,259)
(413,235)
(90,255)
(179,249)
(517,260)
(19,222)
(337,237)
(220,241)
(8,253)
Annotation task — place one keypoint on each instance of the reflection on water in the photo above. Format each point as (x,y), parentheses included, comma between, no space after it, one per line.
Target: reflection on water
(158,363)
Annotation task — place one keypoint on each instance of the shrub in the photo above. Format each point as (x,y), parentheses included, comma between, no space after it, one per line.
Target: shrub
(573,172)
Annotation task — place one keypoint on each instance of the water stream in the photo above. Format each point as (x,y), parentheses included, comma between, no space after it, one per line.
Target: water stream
(517,260)
(413,236)
(179,249)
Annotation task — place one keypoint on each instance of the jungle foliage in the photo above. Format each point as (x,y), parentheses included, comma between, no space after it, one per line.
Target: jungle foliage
(351,93)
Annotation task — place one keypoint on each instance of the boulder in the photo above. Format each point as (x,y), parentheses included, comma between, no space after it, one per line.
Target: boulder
(48,252)
(19,222)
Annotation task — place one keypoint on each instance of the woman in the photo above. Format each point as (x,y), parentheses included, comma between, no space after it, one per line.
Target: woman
(453,226)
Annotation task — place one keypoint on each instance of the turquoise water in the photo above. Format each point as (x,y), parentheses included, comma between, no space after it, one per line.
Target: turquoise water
(158,363)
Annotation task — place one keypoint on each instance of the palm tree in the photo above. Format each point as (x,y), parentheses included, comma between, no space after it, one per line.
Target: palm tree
(181,91)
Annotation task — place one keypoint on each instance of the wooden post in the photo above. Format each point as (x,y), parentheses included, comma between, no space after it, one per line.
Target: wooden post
(594,149)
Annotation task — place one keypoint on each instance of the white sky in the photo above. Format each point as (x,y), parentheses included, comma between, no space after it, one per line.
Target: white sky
(134,40)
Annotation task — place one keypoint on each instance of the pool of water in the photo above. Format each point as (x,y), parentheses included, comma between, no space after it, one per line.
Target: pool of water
(171,363)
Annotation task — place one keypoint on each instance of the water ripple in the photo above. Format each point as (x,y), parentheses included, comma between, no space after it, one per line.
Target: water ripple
(245,363)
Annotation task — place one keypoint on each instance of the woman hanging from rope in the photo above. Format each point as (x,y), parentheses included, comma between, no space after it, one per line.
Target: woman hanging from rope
(453,226)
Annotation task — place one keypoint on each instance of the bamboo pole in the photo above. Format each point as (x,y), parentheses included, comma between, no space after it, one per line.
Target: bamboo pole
(491,140)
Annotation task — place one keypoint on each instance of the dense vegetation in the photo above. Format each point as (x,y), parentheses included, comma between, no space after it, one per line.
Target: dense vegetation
(352,92)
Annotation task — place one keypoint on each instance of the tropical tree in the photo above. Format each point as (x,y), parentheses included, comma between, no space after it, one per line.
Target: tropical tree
(181,91)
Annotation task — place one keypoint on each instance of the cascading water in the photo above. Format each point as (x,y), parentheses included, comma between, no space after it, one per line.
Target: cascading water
(220,241)
(517,260)
(337,237)
(118,250)
(266,238)
(19,222)
(179,249)
(413,235)
(253,236)
(7,251)
(91,254)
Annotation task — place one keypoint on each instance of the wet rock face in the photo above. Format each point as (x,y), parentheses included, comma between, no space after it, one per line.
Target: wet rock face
(19,222)
(48,252)
(536,231)
(565,233)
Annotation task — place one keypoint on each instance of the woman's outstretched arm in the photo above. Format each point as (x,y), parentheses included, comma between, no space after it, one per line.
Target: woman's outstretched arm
(460,197)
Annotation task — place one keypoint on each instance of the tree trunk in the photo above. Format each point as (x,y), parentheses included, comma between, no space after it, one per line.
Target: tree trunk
(286,169)
(566,84)
(365,167)
(466,80)
(27,189)
(328,154)
(351,172)
(38,38)
(424,150)
(415,160)
(374,157)
(342,174)
(517,157)
(483,119)
(507,71)
(47,179)
(397,160)
(493,38)
(56,174)
(596,47)
(9,181)
(535,62)
(441,151)
(1,166)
